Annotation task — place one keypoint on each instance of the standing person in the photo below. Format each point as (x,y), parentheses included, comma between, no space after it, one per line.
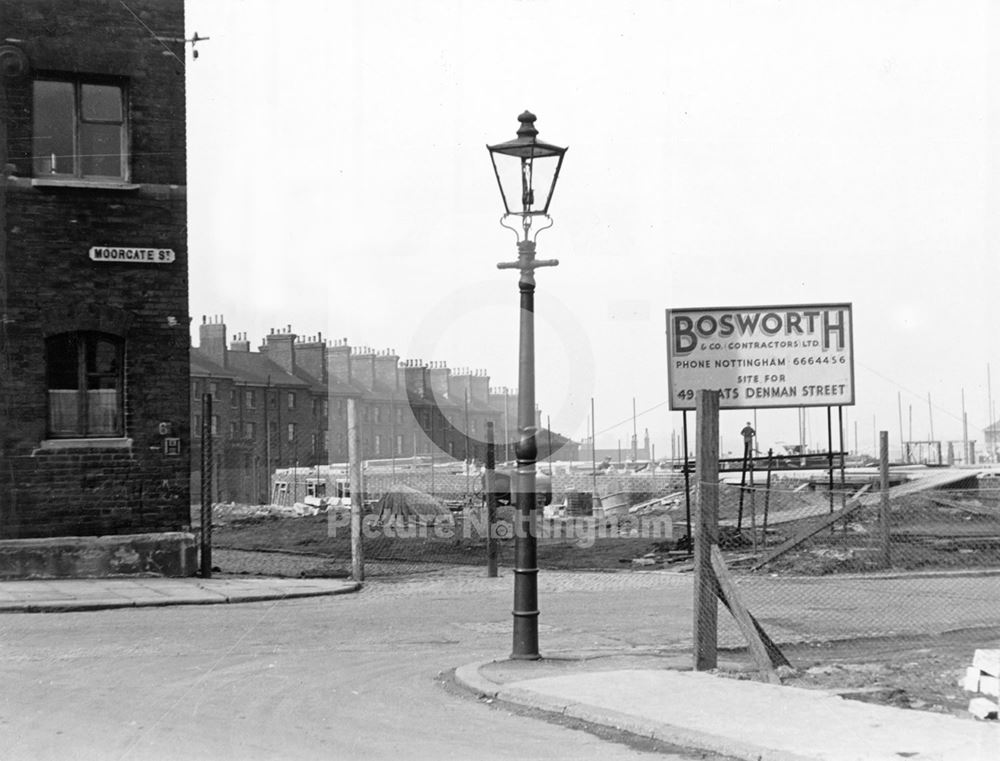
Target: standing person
(748,433)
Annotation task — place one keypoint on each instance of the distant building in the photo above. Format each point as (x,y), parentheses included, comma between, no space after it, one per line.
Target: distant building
(619,455)
(94,415)
(285,405)
(991,437)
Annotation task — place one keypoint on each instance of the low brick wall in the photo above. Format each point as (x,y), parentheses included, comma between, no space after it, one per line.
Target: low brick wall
(160,554)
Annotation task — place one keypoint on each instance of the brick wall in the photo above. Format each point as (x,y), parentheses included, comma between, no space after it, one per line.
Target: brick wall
(49,487)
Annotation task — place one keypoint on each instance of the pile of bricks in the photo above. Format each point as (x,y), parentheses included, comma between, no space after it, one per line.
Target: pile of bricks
(983,677)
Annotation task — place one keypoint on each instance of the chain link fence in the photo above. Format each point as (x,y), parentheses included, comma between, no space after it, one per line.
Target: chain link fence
(860,565)
(420,516)
(812,564)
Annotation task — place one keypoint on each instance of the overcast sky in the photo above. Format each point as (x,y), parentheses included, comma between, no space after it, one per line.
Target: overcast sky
(720,153)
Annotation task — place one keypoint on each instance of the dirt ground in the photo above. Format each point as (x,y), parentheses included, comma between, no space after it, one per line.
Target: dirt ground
(918,672)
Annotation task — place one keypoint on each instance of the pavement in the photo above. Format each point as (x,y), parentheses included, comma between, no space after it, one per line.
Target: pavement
(659,697)
(63,595)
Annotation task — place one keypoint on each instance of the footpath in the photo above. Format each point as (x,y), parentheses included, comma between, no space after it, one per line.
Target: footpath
(62,595)
(661,698)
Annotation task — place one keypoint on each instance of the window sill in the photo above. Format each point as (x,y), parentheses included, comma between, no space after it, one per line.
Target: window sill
(51,445)
(87,184)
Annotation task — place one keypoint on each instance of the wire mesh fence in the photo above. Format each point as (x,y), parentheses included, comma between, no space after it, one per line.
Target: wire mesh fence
(419,516)
(818,564)
(805,558)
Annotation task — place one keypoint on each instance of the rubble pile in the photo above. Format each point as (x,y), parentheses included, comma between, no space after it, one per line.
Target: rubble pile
(983,677)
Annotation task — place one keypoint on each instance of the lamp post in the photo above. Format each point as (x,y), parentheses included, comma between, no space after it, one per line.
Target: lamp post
(518,165)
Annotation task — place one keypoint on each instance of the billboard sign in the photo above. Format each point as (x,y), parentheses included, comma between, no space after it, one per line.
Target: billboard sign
(775,356)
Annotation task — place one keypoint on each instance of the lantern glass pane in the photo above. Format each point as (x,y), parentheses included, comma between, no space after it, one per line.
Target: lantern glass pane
(517,175)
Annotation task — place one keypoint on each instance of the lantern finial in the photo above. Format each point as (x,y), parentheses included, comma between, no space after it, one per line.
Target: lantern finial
(527,128)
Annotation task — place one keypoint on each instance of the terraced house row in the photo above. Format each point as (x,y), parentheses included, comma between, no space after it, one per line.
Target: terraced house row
(285,405)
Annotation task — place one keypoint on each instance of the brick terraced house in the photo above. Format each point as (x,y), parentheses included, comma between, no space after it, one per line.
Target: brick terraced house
(285,405)
(94,390)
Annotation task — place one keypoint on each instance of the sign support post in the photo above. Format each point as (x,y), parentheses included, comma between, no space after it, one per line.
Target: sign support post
(706,609)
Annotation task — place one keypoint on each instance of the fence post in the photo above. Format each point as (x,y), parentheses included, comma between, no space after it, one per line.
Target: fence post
(883,510)
(491,502)
(206,486)
(706,609)
(357,497)
(767,495)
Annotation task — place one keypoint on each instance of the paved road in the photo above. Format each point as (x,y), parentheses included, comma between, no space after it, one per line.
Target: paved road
(360,676)
(349,677)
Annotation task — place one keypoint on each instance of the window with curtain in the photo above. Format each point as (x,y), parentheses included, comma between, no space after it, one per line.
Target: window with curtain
(85,378)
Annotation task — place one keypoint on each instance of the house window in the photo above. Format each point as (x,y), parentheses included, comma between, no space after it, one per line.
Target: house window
(215,425)
(291,431)
(213,391)
(291,400)
(196,427)
(399,444)
(234,429)
(85,384)
(249,430)
(378,444)
(196,386)
(250,399)
(234,398)
(377,411)
(79,130)
(399,416)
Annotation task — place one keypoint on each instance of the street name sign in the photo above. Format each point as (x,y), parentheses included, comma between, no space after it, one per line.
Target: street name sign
(129,255)
(774,356)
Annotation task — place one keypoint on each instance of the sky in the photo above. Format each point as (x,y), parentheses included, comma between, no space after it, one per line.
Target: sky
(720,154)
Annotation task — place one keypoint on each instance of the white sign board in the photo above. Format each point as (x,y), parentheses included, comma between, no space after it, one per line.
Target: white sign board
(776,356)
(132,255)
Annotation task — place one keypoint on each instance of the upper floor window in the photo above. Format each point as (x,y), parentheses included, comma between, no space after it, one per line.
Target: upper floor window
(79,130)
(291,400)
(250,398)
(85,376)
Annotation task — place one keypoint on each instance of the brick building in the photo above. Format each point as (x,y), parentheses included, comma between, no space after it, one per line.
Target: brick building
(285,405)
(94,396)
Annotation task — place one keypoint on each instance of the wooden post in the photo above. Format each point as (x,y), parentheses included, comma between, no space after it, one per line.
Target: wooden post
(687,486)
(357,497)
(767,494)
(883,511)
(491,502)
(748,625)
(706,609)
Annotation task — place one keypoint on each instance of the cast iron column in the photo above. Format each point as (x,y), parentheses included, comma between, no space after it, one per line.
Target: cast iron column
(525,544)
